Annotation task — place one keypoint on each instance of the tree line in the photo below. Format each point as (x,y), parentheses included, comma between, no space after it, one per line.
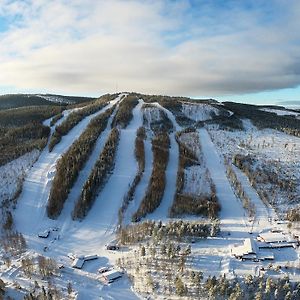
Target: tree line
(74,118)
(263,119)
(239,190)
(70,164)
(21,130)
(174,230)
(124,114)
(56,118)
(156,186)
(140,157)
(98,176)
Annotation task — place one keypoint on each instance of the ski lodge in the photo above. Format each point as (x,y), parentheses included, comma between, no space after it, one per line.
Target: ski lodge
(250,251)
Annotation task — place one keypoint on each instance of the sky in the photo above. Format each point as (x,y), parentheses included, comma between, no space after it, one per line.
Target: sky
(246,51)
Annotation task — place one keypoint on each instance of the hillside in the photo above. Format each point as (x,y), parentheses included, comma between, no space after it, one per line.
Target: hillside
(167,191)
(24,100)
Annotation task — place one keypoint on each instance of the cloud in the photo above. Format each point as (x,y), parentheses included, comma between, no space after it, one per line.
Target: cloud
(164,47)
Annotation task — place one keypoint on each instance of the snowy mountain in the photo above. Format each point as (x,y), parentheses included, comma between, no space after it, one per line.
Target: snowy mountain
(131,196)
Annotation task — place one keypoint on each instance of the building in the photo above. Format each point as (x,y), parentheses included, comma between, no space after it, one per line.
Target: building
(110,276)
(247,251)
(250,251)
(80,260)
(272,237)
(275,240)
(78,263)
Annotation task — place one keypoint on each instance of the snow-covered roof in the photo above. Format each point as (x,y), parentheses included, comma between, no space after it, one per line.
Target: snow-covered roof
(111,275)
(78,263)
(273,237)
(249,247)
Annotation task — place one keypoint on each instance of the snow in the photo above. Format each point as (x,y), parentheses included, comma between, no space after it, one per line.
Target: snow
(152,114)
(196,181)
(56,99)
(281,112)
(84,174)
(36,187)
(231,210)
(90,236)
(12,174)
(86,237)
(273,150)
(199,112)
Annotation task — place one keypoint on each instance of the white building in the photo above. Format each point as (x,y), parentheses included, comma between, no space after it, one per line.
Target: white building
(250,251)
(111,276)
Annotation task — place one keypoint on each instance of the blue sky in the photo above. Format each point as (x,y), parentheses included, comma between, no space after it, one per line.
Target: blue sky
(246,51)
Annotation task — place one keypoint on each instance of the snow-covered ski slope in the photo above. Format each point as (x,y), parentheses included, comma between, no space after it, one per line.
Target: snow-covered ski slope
(98,228)
(232,214)
(31,208)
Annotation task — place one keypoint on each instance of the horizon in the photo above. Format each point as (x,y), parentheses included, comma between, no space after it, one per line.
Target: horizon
(244,52)
(277,102)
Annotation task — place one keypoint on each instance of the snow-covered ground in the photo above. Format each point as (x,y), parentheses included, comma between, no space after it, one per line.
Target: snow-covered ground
(56,99)
(273,150)
(36,188)
(12,174)
(97,229)
(151,114)
(214,255)
(89,236)
(281,112)
(199,111)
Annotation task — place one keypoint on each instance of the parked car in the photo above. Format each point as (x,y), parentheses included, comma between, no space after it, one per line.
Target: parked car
(112,247)
(44,234)
(103,270)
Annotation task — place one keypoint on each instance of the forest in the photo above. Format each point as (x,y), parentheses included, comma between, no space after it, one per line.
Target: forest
(74,118)
(21,130)
(262,119)
(156,186)
(124,114)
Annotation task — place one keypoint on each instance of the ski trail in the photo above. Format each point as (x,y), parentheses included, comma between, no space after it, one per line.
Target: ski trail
(142,186)
(232,214)
(31,208)
(83,176)
(97,228)
(263,213)
(162,212)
